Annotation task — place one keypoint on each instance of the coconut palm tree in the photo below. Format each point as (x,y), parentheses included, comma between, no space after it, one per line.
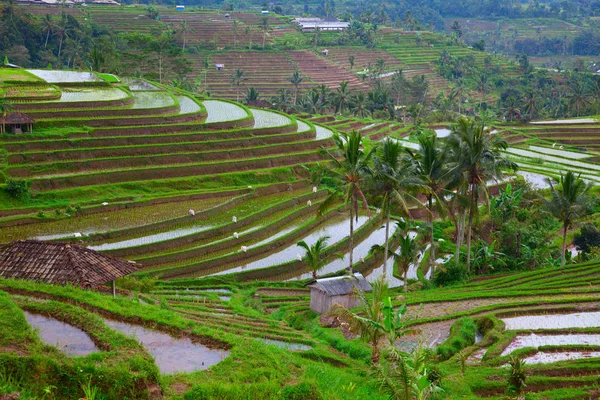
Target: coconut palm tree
(393,178)
(406,255)
(264,25)
(281,102)
(478,156)
(296,79)
(369,322)
(184,29)
(430,162)
(341,96)
(48,25)
(235,28)
(568,202)
(350,168)
(358,105)
(314,256)
(236,79)
(251,95)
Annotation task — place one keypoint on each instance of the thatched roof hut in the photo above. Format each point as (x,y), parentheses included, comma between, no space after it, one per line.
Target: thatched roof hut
(17,121)
(61,263)
(326,292)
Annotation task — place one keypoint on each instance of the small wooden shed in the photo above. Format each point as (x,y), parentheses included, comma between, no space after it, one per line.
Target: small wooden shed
(61,263)
(16,122)
(326,292)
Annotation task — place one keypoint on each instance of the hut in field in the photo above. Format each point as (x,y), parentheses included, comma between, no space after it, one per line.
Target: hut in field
(61,263)
(326,292)
(16,122)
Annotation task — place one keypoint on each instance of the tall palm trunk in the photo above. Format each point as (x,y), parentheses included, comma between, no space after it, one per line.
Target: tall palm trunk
(432,241)
(351,241)
(564,245)
(470,226)
(47,37)
(406,279)
(387,237)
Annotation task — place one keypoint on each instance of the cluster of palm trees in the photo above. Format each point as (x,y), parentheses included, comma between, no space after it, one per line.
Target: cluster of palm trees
(447,177)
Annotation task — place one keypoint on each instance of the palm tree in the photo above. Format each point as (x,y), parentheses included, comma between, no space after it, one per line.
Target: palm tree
(251,95)
(406,255)
(236,80)
(530,100)
(349,169)
(282,101)
(341,96)
(235,27)
(296,79)
(5,107)
(430,162)
(578,96)
(568,202)
(314,256)
(372,323)
(459,92)
(264,24)
(48,24)
(478,156)
(393,177)
(184,28)
(482,81)
(358,105)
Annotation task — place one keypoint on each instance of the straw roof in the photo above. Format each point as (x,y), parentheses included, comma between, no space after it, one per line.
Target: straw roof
(341,285)
(60,263)
(17,117)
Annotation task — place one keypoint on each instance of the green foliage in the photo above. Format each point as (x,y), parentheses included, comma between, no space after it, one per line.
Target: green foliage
(301,391)
(137,284)
(516,376)
(18,189)
(451,273)
(462,335)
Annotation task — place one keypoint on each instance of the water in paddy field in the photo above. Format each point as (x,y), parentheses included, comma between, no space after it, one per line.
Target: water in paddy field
(171,355)
(302,126)
(335,230)
(534,340)
(537,181)
(286,345)
(70,340)
(157,237)
(553,321)
(547,358)
(323,133)
(442,132)
(64,76)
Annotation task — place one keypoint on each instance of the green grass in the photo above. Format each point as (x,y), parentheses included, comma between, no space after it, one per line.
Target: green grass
(17,75)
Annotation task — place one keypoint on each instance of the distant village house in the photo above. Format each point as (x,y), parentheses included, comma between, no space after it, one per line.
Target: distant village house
(312,24)
(16,122)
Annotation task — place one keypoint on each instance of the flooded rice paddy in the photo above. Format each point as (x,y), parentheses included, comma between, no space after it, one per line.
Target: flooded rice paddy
(70,340)
(286,345)
(442,132)
(268,119)
(171,355)
(537,181)
(152,99)
(553,321)
(336,229)
(547,358)
(303,126)
(323,133)
(64,76)
(221,111)
(533,340)
(90,94)
(187,105)
(149,239)
(108,221)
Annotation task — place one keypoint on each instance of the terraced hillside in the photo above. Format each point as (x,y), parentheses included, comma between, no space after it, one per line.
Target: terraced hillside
(548,317)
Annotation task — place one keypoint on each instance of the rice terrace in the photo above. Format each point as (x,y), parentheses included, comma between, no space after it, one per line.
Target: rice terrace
(301,201)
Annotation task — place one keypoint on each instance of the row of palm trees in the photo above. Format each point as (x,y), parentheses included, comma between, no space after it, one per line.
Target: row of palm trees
(447,178)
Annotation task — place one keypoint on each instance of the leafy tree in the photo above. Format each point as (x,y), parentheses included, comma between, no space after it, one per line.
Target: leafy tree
(568,202)
(18,189)
(351,61)
(350,168)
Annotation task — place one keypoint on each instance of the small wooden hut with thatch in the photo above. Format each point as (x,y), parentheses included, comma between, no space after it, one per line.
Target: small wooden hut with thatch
(61,263)
(326,292)
(16,122)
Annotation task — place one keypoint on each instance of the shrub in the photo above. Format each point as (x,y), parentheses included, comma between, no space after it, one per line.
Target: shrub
(587,237)
(462,334)
(41,214)
(452,272)
(516,376)
(301,391)
(18,189)
(143,285)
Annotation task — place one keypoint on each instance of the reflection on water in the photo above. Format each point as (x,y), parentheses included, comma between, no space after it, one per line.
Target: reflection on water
(171,355)
(286,345)
(70,340)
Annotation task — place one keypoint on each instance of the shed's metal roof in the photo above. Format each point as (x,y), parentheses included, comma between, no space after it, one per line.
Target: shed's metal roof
(341,285)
